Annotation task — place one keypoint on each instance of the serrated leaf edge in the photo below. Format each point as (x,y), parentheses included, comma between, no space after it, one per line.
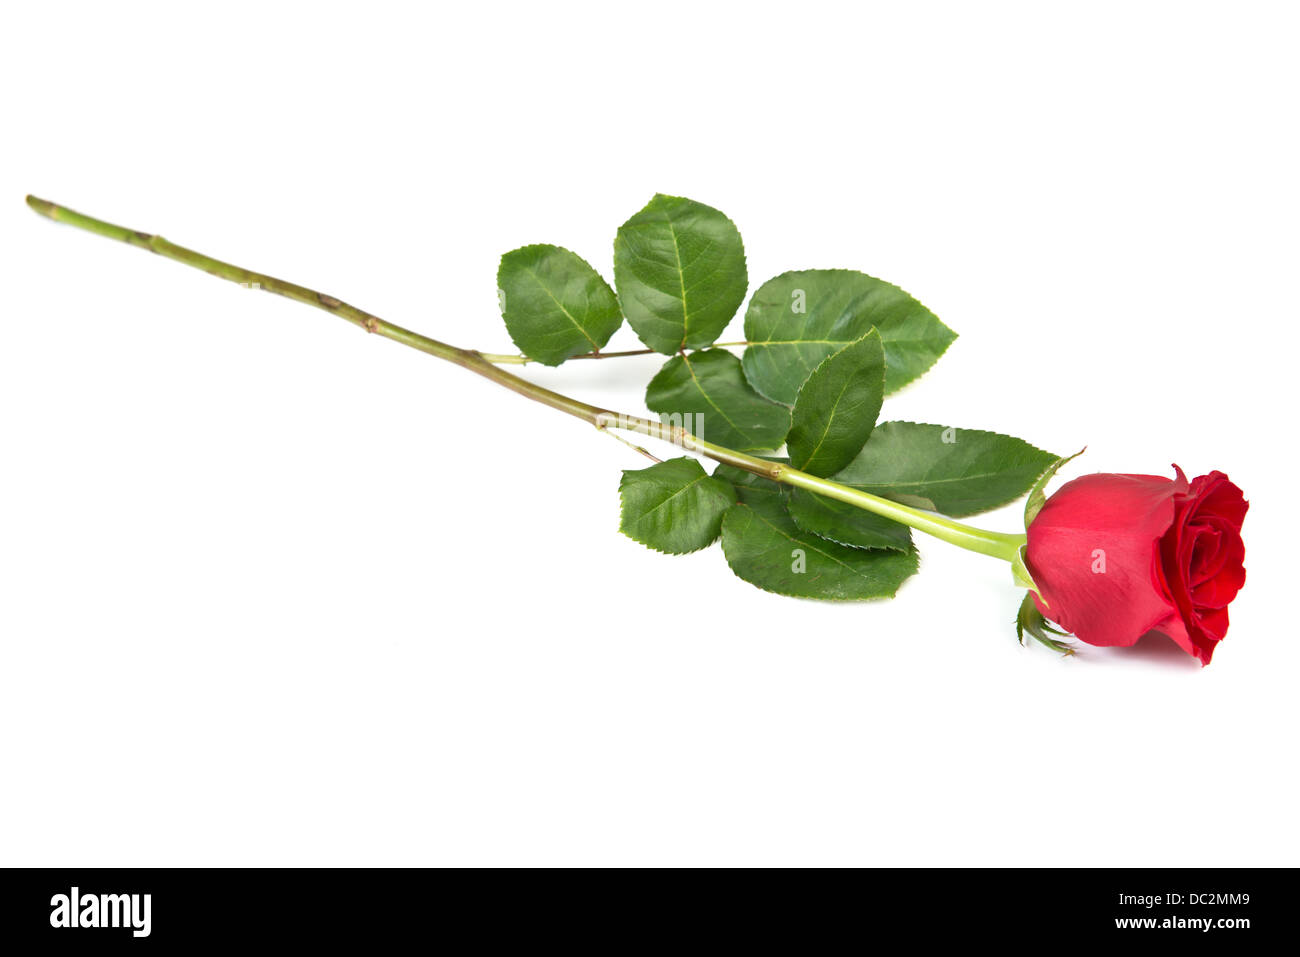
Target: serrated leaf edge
(622,512)
(799,395)
(911,545)
(935,425)
(686,324)
(838,269)
(595,346)
(916,566)
(686,361)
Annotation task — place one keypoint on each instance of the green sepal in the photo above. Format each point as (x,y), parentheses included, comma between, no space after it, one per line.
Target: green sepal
(1038,495)
(1020,573)
(1030,619)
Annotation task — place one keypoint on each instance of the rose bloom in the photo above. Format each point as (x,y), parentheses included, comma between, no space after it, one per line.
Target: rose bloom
(1117,556)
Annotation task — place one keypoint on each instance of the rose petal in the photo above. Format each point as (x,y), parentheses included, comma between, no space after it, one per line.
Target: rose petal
(1093,552)
(1219,590)
(1210,501)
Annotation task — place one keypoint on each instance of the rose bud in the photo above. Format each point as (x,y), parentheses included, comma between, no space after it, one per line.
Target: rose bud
(1116,556)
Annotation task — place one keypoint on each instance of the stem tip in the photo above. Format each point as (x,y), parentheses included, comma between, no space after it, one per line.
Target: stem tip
(42,206)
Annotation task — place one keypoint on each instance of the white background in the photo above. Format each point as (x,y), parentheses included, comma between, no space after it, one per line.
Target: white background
(274,592)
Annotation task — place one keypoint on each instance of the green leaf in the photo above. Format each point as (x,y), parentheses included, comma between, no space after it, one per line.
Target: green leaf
(836,408)
(843,523)
(673,506)
(750,487)
(555,305)
(680,271)
(799,318)
(765,548)
(956,472)
(1038,495)
(823,517)
(710,387)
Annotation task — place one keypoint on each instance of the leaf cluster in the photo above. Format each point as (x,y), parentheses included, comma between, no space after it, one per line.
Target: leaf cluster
(822,350)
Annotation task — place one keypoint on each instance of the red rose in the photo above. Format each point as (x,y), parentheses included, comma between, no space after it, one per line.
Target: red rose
(1116,556)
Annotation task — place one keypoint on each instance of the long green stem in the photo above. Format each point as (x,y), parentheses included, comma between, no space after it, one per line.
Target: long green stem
(997,544)
(512,359)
